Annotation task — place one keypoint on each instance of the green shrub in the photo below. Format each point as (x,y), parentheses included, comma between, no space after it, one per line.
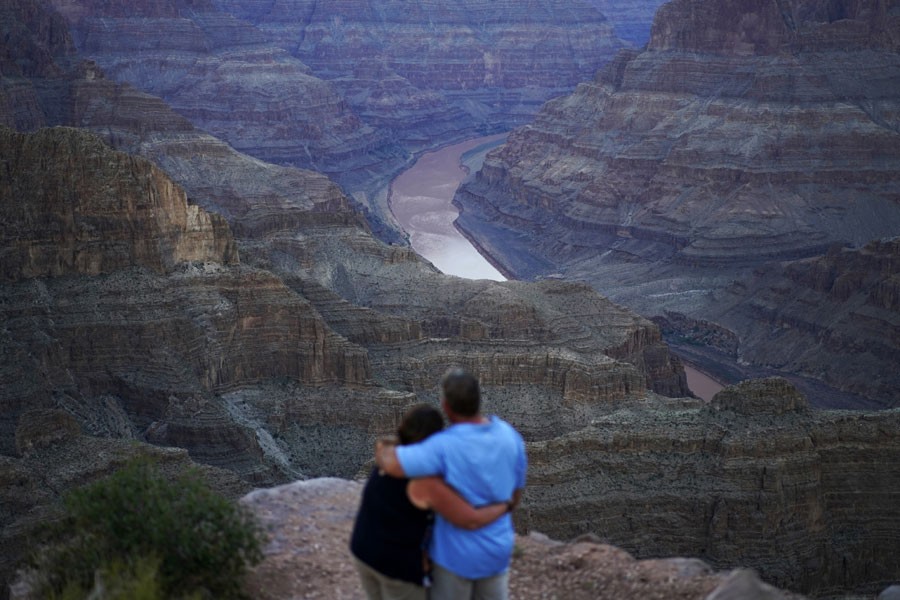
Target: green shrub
(197,541)
(118,581)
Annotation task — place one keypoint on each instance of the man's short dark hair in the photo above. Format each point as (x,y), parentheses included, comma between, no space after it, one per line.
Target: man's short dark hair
(461,391)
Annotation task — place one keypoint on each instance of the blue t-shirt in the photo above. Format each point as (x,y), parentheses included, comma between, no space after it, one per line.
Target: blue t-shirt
(485,463)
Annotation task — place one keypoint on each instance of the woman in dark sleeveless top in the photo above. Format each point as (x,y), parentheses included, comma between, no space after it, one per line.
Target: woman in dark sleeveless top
(389,534)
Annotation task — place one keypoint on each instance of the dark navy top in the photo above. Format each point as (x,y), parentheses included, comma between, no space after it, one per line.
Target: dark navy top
(389,530)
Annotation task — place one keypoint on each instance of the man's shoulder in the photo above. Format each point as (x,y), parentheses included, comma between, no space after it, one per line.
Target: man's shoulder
(505,427)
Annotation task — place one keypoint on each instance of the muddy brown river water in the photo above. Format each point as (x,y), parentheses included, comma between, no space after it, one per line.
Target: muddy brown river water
(421,201)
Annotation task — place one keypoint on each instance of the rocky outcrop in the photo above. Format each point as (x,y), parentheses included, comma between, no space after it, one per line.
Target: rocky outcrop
(308,556)
(755,479)
(142,316)
(96,211)
(744,134)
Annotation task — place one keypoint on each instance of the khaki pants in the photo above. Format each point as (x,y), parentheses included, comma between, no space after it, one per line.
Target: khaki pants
(450,586)
(379,587)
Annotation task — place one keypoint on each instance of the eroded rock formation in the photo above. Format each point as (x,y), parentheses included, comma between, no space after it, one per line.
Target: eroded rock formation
(100,212)
(224,76)
(730,482)
(292,362)
(745,133)
(289,360)
(384,79)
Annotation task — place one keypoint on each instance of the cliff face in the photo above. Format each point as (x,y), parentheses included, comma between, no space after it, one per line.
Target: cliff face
(745,133)
(505,55)
(126,306)
(96,211)
(320,512)
(383,79)
(835,316)
(223,75)
(730,482)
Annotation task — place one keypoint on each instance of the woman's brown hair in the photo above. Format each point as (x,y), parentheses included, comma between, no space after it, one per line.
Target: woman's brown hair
(418,423)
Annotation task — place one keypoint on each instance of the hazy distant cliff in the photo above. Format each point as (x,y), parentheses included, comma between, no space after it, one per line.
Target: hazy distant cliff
(349,89)
(745,133)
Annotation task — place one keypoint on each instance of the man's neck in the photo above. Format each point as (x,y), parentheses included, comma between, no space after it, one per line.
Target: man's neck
(478,419)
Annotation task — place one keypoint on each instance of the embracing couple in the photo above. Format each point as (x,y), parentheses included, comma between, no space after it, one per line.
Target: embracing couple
(470,475)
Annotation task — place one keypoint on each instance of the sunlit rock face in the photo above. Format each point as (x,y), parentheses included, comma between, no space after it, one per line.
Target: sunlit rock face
(745,133)
(126,305)
(96,211)
(805,497)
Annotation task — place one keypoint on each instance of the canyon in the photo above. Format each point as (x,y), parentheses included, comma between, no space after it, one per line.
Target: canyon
(163,289)
(719,182)
(350,89)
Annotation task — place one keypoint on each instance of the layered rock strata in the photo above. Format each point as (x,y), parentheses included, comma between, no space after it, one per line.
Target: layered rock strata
(135,306)
(223,75)
(101,211)
(500,59)
(384,80)
(290,362)
(753,471)
(744,134)
(835,317)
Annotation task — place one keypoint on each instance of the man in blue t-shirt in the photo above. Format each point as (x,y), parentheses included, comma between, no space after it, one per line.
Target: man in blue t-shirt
(484,460)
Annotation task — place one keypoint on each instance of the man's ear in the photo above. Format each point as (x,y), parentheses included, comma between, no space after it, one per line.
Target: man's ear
(446,408)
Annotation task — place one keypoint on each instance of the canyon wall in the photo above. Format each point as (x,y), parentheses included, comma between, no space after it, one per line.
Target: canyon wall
(349,89)
(286,361)
(279,345)
(808,498)
(486,64)
(224,76)
(744,134)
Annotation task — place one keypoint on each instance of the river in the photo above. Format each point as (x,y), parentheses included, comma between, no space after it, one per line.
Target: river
(421,201)
(704,386)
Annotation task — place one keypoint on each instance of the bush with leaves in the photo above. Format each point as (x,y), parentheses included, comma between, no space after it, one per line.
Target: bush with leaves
(197,541)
